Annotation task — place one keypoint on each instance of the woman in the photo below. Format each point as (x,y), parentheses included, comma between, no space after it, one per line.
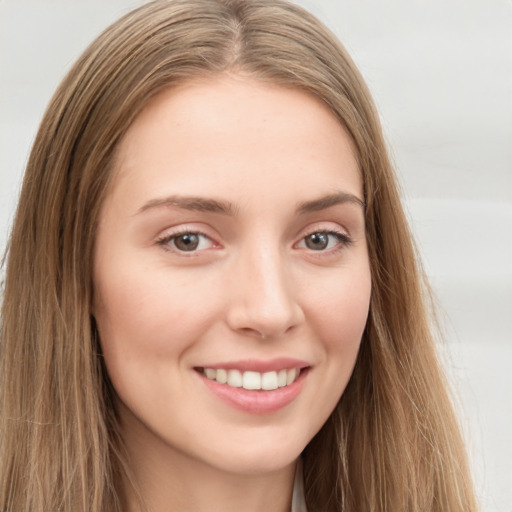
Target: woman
(210,278)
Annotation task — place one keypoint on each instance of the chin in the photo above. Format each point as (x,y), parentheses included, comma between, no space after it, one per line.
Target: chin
(259,464)
(259,455)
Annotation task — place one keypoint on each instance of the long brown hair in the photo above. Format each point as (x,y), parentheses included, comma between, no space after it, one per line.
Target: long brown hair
(391,444)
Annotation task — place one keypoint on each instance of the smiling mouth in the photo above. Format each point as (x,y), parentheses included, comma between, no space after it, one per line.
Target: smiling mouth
(251,380)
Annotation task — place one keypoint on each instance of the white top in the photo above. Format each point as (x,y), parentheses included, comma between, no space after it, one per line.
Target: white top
(298,500)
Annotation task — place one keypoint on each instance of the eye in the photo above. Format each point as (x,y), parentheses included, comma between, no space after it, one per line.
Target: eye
(324,240)
(189,241)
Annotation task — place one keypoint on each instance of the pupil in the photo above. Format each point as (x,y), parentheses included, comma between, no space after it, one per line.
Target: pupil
(187,242)
(317,241)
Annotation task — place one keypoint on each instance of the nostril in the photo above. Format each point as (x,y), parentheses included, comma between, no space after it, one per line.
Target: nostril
(267,334)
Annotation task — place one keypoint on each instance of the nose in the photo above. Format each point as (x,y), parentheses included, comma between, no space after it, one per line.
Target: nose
(262,297)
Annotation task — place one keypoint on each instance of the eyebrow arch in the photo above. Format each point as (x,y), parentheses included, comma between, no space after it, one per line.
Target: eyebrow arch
(322,203)
(191,203)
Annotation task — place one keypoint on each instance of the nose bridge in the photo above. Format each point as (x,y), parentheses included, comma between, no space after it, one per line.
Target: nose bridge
(264,301)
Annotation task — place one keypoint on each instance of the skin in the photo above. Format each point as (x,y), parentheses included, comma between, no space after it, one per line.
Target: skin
(252,290)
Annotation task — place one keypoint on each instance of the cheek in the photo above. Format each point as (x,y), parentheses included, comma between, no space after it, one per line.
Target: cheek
(341,312)
(341,309)
(142,316)
(338,311)
(146,328)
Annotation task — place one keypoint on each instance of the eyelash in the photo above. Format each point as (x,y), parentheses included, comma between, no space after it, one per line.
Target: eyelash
(165,240)
(343,240)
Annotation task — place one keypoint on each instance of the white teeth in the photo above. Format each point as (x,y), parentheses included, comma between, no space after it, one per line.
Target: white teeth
(210,373)
(253,380)
(222,376)
(234,378)
(290,377)
(269,381)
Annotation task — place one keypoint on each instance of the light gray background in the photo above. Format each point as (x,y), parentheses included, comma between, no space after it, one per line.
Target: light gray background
(441,74)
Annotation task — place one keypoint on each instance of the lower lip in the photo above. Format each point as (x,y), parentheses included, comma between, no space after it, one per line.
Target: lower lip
(257,401)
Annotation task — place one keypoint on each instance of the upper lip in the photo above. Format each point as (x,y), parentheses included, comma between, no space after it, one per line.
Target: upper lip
(261,366)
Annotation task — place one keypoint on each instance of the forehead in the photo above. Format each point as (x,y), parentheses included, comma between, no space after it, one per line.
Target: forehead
(227,129)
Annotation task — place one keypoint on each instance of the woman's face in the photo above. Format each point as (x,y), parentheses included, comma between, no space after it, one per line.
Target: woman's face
(231,246)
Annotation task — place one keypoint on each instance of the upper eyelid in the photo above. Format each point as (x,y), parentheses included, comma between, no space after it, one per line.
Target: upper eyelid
(325,230)
(323,227)
(182,230)
(165,242)
(170,236)
(315,227)
(172,233)
(345,237)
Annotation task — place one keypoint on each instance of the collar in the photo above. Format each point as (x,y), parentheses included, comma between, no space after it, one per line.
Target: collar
(298,500)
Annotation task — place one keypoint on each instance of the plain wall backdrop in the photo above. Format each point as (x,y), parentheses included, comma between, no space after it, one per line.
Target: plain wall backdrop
(441,75)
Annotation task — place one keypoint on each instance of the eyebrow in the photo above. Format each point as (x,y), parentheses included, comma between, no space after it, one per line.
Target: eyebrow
(203,204)
(191,203)
(324,202)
